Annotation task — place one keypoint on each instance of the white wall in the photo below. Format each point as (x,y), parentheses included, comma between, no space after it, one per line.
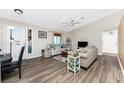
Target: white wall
(38,43)
(93,32)
(1,37)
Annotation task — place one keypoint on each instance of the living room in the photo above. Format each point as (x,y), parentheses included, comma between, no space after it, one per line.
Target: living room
(53,43)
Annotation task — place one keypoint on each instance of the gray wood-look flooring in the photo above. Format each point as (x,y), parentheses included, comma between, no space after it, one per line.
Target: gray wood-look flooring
(105,69)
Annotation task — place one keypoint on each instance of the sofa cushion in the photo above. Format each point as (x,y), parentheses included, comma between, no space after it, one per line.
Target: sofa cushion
(84,55)
(83,50)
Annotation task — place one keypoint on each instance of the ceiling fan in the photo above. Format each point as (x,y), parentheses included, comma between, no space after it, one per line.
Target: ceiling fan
(72,22)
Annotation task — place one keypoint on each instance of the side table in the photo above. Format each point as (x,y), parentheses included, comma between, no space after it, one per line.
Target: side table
(73,63)
(46,53)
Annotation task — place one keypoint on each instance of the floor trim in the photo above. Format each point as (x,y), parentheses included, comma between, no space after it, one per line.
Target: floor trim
(122,70)
(30,57)
(109,54)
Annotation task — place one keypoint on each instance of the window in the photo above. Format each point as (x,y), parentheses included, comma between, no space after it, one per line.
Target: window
(57,39)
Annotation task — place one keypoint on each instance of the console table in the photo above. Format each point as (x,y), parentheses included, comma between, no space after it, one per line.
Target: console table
(64,54)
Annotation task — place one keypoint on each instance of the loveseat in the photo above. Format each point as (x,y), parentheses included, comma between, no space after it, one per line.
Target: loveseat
(55,49)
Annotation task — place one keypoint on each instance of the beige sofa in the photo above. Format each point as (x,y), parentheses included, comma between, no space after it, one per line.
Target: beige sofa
(88,55)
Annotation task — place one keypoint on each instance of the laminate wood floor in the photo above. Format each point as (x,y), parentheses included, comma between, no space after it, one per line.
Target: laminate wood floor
(105,69)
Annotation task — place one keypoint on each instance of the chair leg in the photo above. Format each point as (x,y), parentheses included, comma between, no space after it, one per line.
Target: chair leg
(20,76)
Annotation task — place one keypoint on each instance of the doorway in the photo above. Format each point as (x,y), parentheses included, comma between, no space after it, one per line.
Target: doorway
(15,39)
(110,42)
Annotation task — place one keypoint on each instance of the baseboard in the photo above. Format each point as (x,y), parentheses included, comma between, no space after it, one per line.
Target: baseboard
(122,70)
(33,56)
(109,54)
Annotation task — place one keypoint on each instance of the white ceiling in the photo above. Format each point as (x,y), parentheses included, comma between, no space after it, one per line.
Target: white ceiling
(53,18)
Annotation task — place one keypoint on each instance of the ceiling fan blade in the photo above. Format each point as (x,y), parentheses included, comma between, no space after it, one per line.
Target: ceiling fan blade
(65,23)
(77,23)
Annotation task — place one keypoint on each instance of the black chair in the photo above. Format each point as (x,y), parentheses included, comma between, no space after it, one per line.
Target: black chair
(13,65)
(4,63)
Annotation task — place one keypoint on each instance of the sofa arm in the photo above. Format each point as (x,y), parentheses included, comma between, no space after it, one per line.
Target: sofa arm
(92,54)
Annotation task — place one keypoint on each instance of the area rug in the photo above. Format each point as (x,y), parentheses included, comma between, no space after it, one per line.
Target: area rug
(60,58)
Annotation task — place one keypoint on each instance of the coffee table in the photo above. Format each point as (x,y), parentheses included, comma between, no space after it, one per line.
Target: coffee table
(64,54)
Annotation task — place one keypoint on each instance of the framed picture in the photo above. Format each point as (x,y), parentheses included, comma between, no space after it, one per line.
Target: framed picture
(29,41)
(42,34)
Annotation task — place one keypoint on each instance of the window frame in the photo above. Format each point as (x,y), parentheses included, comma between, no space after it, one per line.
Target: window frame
(56,35)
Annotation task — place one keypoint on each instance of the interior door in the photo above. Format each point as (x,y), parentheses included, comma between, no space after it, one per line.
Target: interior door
(18,41)
(110,42)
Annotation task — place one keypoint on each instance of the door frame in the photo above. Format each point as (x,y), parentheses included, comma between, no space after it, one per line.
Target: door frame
(5,38)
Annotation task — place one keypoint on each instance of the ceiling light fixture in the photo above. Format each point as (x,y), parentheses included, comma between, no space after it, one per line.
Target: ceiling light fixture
(73,22)
(18,11)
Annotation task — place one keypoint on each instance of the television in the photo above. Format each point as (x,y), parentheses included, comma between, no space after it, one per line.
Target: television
(82,44)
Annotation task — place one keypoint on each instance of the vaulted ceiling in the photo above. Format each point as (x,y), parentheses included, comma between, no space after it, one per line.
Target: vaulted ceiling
(54,18)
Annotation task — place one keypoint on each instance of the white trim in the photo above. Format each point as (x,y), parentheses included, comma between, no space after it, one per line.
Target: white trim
(33,56)
(110,29)
(4,48)
(109,54)
(100,54)
(122,70)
